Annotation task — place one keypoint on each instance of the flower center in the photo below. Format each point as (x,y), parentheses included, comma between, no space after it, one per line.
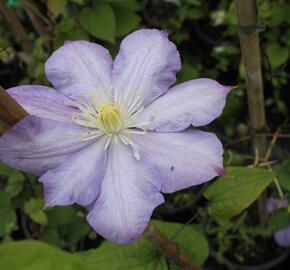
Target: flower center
(110,118)
(113,115)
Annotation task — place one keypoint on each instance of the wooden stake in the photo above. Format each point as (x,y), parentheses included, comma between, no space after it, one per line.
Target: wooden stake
(10,112)
(249,40)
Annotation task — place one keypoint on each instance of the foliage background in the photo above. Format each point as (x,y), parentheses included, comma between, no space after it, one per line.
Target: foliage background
(207,37)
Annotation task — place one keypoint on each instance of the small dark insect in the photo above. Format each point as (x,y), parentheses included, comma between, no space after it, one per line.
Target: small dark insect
(172,168)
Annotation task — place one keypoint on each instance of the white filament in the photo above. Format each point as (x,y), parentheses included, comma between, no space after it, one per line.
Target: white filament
(113,114)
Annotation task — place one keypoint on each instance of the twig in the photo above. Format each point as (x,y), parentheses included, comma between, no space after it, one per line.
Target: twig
(169,248)
(32,7)
(256,160)
(184,226)
(270,148)
(263,164)
(267,163)
(36,21)
(17,28)
(10,112)
(277,184)
(237,141)
(5,48)
(249,41)
(245,138)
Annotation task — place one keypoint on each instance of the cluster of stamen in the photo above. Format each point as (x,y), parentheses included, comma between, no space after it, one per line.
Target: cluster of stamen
(113,114)
(110,118)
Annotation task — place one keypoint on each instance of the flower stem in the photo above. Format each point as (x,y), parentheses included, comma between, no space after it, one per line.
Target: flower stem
(169,248)
(249,41)
(10,112)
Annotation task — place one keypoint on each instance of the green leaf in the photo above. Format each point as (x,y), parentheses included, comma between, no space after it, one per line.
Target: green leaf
(36,255)
(7,216)
(279,15)
(76,231)
(66,223)
(279,220)
(283,173)
(231,194)
(138,256)
(132,5)
(126,21)
(34,208)
(56,6)
(67,24)
(51,235)
(196,3)
(59,216)
(5,170)
(79,2)
(278,55)
(142,255)
(76,34)
(14,184)
(99,21)
(189,239)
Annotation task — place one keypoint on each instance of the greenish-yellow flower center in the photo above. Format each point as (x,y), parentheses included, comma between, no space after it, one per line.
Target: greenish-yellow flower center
(110,118)
(113,115)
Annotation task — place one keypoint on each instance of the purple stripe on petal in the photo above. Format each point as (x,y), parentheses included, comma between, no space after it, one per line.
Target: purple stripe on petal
(129,193)
(147,62)
(183,159)
(35,145)
(78,179)
(79,67)
(196,102)
(43,102)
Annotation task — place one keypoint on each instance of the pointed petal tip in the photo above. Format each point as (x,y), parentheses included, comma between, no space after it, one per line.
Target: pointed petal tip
(162,63)
(229,88)
(48,204)
(220,171)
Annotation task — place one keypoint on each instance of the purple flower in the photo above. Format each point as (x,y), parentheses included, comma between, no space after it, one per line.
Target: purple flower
(111,134)
(281,237)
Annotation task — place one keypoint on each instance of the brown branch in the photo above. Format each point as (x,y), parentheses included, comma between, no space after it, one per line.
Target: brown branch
(247,19)
(169,248)
(36,21)
(17,28)
(246,138)
(35,10)
(10,112)
(3,127)
(273,141)
(184,226)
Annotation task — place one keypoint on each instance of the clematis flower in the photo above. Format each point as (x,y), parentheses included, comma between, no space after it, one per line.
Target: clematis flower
(281,237)
(112,135)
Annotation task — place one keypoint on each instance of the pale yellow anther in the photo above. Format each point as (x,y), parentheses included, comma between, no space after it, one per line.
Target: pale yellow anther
(110,118)
(113,115)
